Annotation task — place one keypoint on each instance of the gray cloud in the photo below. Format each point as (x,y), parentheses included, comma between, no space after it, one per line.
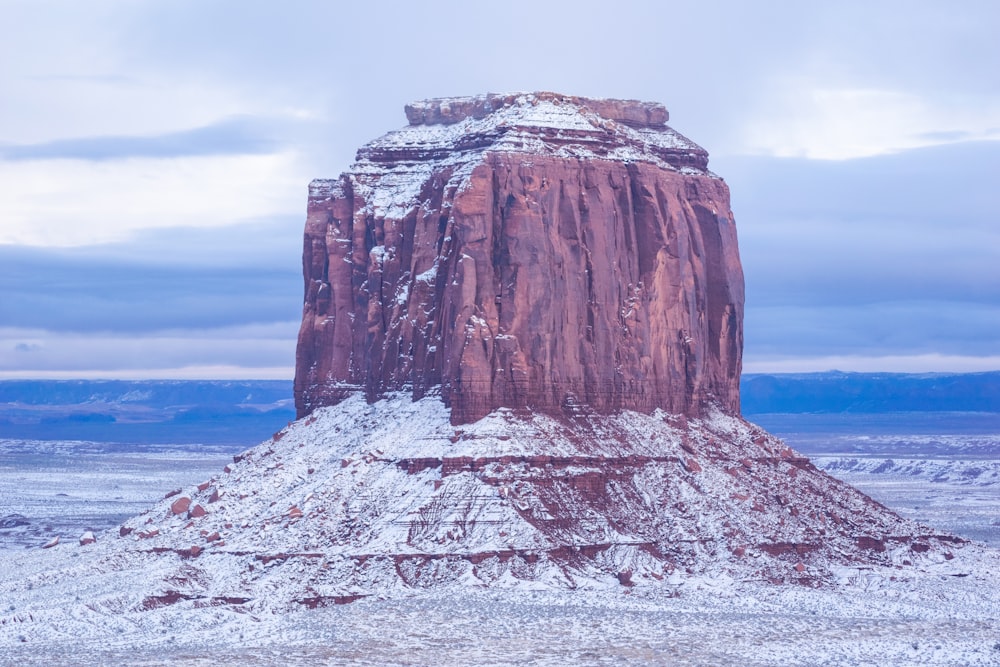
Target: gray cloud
(888,255)
(266,243)
(246,351)
(919,225)
(233,136)
(881,329)
(164,279)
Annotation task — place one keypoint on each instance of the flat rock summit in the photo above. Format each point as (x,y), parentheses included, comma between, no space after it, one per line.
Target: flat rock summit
(518,366)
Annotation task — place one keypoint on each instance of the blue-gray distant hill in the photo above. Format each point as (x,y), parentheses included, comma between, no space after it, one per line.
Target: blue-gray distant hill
(242,413)
(238,412)
(836,391)
(835,401)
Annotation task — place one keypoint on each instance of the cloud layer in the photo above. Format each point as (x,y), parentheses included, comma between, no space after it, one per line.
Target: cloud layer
(155,157)
(231,136)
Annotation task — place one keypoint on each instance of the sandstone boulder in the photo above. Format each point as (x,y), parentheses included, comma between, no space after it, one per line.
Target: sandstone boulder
(180,505)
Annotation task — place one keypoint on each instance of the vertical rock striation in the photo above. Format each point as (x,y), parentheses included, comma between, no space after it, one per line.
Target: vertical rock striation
(532,250)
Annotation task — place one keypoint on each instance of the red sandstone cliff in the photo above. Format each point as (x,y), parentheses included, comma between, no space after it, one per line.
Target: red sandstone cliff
(533,250)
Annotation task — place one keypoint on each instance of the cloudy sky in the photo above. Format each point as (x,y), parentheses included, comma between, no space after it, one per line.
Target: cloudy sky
(154,158)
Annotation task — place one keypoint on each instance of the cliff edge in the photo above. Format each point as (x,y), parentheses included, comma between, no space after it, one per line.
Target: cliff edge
(533,251)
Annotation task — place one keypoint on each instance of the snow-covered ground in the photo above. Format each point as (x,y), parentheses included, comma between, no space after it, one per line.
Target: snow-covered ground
(961,496)
(950,481)
(936,618)
(77,605)
(50,488)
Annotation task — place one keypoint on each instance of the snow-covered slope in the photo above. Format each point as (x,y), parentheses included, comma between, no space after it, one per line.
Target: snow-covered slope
(360,500)
(385,501)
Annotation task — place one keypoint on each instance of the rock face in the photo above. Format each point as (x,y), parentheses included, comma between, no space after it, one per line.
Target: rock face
(529,251)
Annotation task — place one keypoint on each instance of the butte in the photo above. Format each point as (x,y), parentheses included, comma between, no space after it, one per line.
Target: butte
(519,363)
